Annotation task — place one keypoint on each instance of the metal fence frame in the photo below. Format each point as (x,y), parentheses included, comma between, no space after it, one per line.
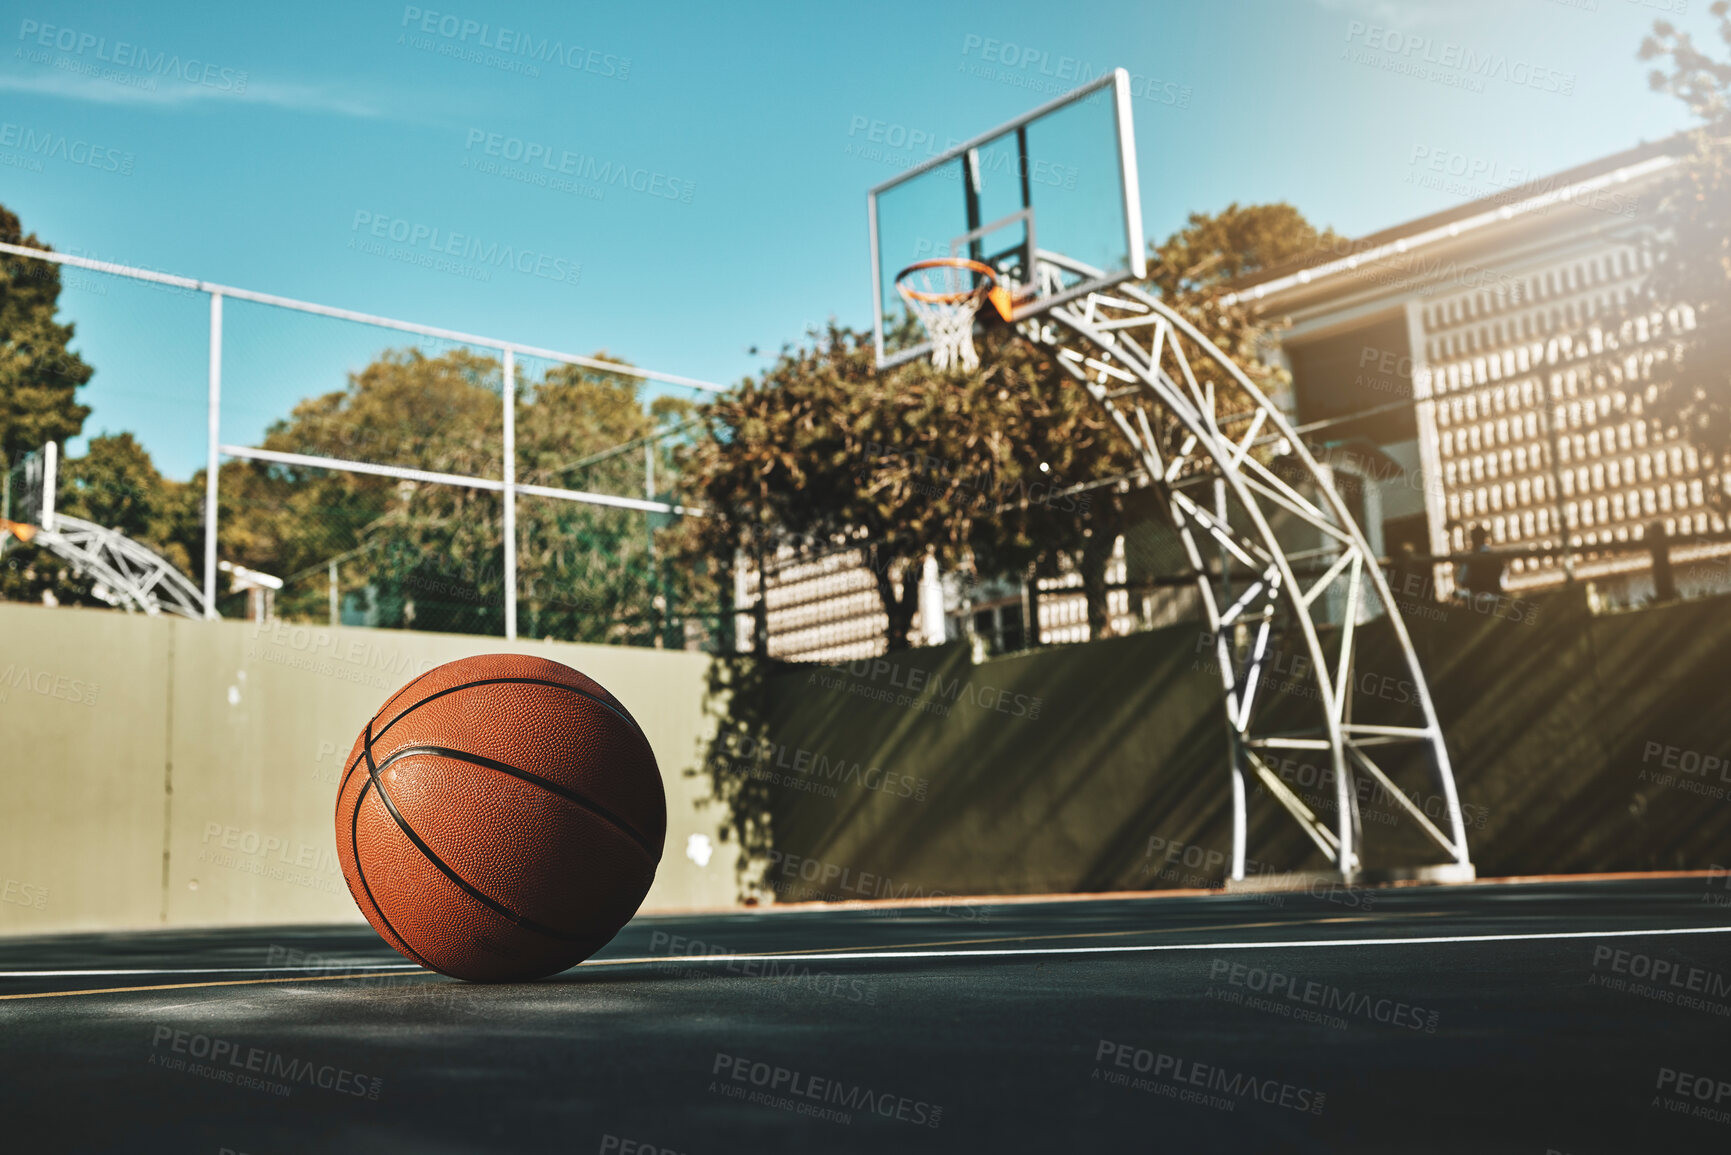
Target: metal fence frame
(508,486)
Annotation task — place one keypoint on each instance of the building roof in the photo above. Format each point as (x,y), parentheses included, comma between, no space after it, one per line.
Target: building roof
(1503,205)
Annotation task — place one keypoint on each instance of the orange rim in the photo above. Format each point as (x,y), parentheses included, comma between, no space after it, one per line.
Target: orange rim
(983,269)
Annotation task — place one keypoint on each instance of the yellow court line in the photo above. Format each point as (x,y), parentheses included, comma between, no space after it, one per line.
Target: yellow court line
(220,983)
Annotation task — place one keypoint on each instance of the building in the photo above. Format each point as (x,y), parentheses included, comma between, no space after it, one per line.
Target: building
(1453,359)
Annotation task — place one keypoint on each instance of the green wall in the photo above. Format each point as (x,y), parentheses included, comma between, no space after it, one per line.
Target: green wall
(1116,779)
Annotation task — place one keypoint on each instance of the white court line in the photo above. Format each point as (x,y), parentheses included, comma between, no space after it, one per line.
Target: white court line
(336,967)
(850,956)
(847,956)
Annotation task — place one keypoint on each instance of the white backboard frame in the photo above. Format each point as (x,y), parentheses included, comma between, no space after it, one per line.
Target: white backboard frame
(1119,81)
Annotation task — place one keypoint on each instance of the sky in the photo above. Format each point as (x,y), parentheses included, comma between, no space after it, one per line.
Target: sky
(262,146)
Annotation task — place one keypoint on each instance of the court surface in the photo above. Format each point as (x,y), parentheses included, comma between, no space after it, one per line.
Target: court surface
(1567,1016)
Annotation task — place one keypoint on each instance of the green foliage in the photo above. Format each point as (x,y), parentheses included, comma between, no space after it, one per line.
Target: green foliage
(39,376)
(826,453)
(431,555)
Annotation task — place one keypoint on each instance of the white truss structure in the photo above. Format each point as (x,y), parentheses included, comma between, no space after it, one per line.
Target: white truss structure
(1207,448)
(127,574)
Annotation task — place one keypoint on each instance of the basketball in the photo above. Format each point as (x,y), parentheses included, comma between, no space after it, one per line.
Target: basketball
(500,818)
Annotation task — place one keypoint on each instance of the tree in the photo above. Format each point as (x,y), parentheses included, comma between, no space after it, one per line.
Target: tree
(1682,313)
(1193,268)
(1054,500)
(431,555)
(825,453)
(39,375)
(587,572)
(115,484)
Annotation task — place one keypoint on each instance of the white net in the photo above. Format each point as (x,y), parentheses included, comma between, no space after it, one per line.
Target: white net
(945,298)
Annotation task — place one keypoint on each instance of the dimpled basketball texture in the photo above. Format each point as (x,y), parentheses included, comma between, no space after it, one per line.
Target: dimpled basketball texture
(500,818)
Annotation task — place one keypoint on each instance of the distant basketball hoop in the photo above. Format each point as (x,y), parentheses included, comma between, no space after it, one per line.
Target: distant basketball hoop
(945,293)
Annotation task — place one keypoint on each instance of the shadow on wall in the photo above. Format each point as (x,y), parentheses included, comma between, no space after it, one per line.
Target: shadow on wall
(922,775)
(1580,743)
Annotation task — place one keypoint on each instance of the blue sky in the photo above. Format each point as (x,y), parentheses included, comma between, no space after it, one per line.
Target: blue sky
(751,224)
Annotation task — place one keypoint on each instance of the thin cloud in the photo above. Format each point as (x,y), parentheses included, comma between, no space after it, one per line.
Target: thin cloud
(170,92)
(1403,13)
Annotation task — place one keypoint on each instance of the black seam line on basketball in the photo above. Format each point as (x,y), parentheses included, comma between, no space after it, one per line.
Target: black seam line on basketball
(551,787)
(408,832)
(616,711)
(409,685)
(361,873)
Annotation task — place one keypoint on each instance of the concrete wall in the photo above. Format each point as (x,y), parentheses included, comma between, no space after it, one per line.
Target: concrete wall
(164,772)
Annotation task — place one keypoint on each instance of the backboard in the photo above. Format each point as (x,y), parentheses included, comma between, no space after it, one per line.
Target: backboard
(1049,200)
(29,490)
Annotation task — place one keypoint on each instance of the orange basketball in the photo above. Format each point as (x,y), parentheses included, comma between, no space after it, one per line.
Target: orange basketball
(500,818)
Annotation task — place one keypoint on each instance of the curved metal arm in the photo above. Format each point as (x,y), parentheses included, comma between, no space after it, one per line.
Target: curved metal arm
(128,574)
(1138,358)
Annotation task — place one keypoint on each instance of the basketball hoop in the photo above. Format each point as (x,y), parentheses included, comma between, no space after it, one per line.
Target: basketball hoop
(945,293)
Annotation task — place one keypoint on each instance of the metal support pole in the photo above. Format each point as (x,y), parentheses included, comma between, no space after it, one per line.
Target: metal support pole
(510,494)
(50,480)
(1234,741)
(211,452)
(336,604)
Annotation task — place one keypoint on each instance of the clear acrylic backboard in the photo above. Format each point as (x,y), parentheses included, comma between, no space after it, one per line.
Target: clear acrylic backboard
(1057,181)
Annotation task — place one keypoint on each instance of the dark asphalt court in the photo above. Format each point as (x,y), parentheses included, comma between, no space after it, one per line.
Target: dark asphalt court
(1213,1023)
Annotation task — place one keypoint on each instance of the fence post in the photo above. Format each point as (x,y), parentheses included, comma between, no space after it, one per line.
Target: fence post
(214,419)
(510,494)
